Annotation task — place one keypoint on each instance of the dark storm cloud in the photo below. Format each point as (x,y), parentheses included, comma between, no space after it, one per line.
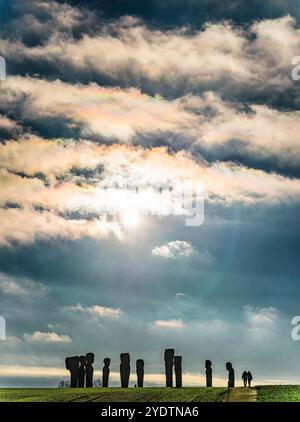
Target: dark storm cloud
(235,150)
(155,12)
(9,129)
(248,65)
(194,12)
(34,22)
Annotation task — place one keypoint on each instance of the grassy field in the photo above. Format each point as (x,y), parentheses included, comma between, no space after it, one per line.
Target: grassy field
(270,393)
(278,393)
(154,394)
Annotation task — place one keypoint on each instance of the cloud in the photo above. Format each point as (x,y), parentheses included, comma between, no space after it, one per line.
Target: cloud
(63,189)
(11,288)
(123,166)
(174,249)
(256,135)
(9,128)
(96,311)
(20,287)
(46,337)
(168,324)
(6,123)
(93,111)
(245,64)
(260,317)
(158,14)
(30,225)
(16,371)
(177,249)
(34,21)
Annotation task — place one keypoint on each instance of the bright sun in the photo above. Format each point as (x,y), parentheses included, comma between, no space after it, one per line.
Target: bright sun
(130,218)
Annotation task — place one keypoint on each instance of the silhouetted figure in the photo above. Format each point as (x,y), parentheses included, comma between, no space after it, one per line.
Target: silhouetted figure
(105,372)
(125,369)
(81,371)
(178,371)
(230,374)
(249,378)
(169,361)
(140,372)
(90,358)
(208,373)
(72,365)
(245,378)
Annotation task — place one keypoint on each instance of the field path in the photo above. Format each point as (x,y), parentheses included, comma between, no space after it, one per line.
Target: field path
(242,394)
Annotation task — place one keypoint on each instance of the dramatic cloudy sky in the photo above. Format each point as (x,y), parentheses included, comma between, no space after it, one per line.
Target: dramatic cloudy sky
(150,93)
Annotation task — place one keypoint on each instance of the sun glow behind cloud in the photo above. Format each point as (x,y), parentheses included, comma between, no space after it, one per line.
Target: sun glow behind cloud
(130,218)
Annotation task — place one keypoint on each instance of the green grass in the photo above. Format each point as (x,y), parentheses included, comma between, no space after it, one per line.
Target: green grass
(270,393)
(278,393)
(151,394)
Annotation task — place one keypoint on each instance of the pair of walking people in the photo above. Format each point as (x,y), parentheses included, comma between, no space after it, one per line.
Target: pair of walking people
(247,378)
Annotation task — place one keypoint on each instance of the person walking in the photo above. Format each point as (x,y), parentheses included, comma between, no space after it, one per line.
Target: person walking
(245,378)
(249,378)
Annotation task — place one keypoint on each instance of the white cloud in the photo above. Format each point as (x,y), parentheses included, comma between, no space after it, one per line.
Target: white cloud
(225,184)
(168,324)
(29,224)
(19,287)
(106,112)
(259,317)
(7,124)
(96,311)
(41,18)
(11,288)
(219,56)
(46,337)
(125,115)
(174,249)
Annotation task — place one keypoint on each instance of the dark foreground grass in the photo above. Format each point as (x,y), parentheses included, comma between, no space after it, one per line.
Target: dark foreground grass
(278,393)
(151,394)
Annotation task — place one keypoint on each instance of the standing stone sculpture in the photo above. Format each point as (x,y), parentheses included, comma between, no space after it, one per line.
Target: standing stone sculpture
(125,369)
(169,362)
(90,358)
(105,372)
(81,371)
(230,374)
(178,371)
(140,372)
(72,365)
(208,373)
